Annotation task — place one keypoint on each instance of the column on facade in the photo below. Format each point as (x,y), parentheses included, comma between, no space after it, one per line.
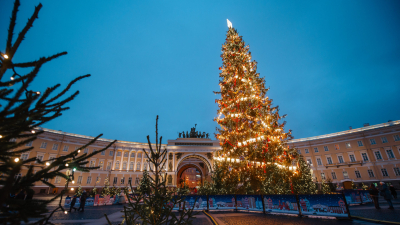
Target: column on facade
(122,160)
(129,160)
(141,165)
(167,163)
(173,161)
(115,157)
(134,164)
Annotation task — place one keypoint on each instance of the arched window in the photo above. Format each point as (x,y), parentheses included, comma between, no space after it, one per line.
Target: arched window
(126,154)
(138,166)
(133,154)
(124,166)
(145,166)
(131,166)
(117,165)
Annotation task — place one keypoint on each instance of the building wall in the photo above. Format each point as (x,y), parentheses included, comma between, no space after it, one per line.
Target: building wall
(115,162)
(375,149)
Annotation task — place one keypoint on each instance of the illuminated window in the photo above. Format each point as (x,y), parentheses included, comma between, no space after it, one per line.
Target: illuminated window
(337,147)
(348,145)
(345,175)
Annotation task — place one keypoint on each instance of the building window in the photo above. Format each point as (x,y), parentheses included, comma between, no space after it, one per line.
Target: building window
(316,150)
(345,175)
(390,153)
(397,171)
(111,153)
(333,175)
(131,166)
(79,180)
(360,144)
(323,176)
(89,180)
(373,142)
(123,180)
(132,155)
(29,144)
(65,148)
(352,158)
(329,159)
(378,155)
(337,147)
(340,159)
(299,151)
(319,162)
(130,180)
(24,156)
(118,153)
(43,145)
(15,140)
(55,147)
(358,175)
(39,158)
(101,164)
(365,157)
(306,150)
(326,148)
(145,166)
(115,180)
(117,165)
(86,150)
(348,145)
(109,166)
(92,163)
(396,137)
(384,139)
(371,173)
(58,180)
(124,166)
(384,173)
(126,154)
(103,153)
(139,155)
(138,166)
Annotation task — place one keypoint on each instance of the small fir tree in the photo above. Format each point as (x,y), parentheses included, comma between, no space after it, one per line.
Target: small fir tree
(79,191)
(106,190)
(325,187)
(22,112)
(156,208)
(302,181)
(144,186)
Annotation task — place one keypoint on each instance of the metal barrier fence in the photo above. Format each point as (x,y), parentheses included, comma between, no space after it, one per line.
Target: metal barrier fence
(332,205)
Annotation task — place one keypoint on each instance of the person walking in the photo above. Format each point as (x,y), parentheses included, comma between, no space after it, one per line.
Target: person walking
(393,191)
(83,201)
(385,192)
(73,204)
(374,192)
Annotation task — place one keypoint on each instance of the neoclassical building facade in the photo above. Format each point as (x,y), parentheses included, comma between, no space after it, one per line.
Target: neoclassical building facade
(364,155)
(369,154)
(122,163)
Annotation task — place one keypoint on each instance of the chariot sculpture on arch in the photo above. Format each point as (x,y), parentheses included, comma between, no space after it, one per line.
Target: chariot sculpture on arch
(193,133)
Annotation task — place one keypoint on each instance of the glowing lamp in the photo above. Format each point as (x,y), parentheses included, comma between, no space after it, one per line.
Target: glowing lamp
(66,164)
(6,56)
(47,164)
(16,159)
(72,189)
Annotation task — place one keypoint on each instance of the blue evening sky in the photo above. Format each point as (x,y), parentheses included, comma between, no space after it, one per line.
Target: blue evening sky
(330,64)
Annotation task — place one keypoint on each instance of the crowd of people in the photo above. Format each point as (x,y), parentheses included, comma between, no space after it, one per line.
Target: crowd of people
(386,192)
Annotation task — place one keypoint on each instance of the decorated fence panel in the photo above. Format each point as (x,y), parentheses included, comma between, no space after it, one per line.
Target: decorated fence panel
(198,202)
(221,202)
(323,205)
(249,202)
(281,204)
(89,202)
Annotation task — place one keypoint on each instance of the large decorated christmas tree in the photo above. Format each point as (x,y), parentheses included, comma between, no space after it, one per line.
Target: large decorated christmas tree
(254,155)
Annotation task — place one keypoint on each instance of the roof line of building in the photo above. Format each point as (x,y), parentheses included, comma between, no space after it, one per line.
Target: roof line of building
(90,137)
(396,122)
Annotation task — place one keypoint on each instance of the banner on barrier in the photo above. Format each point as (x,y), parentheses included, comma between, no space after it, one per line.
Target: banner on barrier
(89,202)
(198,201)
(281,204)
(352,197)
(323,205)
(219,202)
(249,202)
(365,196)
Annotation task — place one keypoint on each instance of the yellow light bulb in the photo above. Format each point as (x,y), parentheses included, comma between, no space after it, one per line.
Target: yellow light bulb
(16,159)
